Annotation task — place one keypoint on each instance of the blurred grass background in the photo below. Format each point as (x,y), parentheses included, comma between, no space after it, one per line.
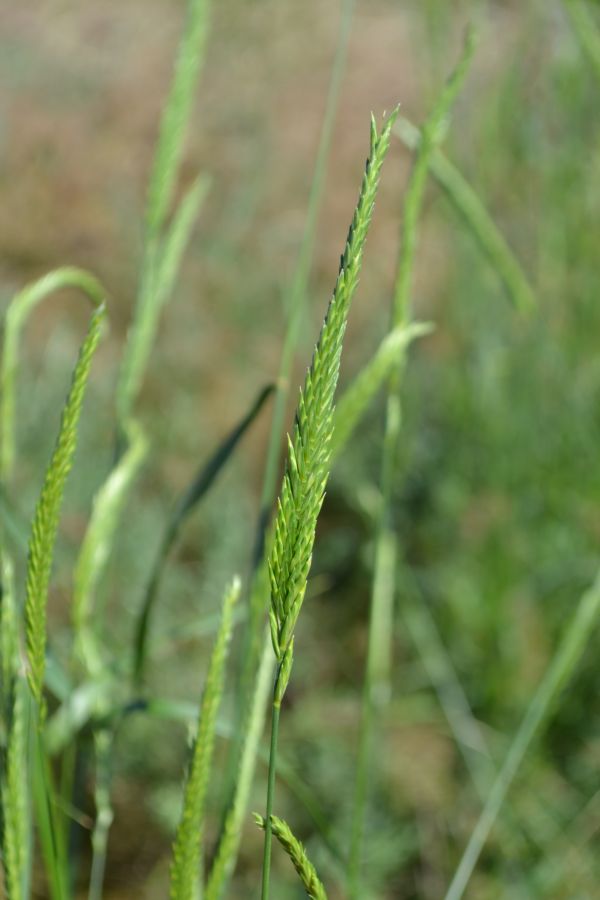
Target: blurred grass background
(498,508)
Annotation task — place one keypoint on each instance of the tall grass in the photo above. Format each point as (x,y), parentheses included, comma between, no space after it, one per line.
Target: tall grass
(96,691)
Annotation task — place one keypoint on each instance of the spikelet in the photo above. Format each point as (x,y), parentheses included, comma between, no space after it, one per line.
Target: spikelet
(185,868)
(297,854)
(45,521)
(310,446)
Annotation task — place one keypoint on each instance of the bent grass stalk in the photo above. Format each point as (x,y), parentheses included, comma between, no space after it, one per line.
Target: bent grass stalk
(377,676)
(308,460)
(561,669)
(17,315)
(187,848)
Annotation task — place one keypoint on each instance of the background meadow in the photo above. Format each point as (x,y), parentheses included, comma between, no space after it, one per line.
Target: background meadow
(496,505)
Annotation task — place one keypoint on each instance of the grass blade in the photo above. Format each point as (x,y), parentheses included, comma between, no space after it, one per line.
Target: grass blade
(161,267)
(45,521)
(97,545)
(359,394)
(377,676)
(560,671)
(202,482)
(297,854)
(185,867)
(467,204)
(176,115)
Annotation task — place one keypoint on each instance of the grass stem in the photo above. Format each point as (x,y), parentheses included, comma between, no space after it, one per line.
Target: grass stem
(266,872)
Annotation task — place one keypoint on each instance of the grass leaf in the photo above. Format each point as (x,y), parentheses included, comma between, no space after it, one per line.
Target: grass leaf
(176,115)
(200,485)
(357,397)
(162,261)
(98,541)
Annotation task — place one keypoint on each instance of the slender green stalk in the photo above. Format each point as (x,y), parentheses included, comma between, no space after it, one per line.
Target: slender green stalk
(358,396)
(49,829)
(377,676)
(309,452)
(560,671)
(103,746)
(185,867)
(585,27)
(468,205)
(266,880)
(297,854)
(96,547)
(162,255)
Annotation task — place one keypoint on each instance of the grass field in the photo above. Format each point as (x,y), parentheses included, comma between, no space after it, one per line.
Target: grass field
(484,534)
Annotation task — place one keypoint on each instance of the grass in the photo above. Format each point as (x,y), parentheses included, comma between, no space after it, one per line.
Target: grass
(471,524)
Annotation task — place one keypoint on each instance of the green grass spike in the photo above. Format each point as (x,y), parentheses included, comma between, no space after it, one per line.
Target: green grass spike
(309,449)
(297,854)
(45,521)
(185,868)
